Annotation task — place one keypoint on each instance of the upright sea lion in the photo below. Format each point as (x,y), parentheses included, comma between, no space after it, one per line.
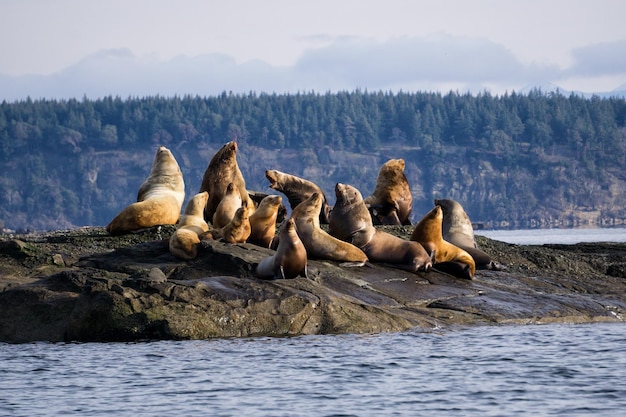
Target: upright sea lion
(238,230)
(391,202)
(184,241)
(317,242)
(159,199)
(228,205)
(263,221)
(290,259)
(428,233)
(297,190)
(457,229)
(222,170)
(350,221)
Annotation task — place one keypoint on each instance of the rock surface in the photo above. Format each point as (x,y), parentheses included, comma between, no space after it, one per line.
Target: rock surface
(85,285)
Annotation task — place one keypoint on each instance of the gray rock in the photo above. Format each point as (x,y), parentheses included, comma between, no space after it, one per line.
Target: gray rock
(131,288)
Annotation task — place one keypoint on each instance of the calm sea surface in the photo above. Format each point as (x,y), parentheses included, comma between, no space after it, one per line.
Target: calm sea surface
(540,370)
(568,236)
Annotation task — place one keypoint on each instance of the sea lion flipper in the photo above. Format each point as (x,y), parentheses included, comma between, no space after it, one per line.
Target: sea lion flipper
(279,273)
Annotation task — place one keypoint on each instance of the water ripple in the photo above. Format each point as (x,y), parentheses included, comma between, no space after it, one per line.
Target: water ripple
(561,370)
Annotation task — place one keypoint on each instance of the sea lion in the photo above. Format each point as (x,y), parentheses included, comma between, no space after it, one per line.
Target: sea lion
(391,202)
(457,229)
(159,199)
(318,243)
(263,221)
(228,205)
(221,171)
(350,220)
(428,233)
(238,230)
(297,190)
(290,259)
(184,241)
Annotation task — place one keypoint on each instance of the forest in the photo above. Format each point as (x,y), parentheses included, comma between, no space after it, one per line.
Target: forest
(513,160)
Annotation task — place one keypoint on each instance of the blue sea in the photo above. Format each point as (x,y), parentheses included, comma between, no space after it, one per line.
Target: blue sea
(534,370)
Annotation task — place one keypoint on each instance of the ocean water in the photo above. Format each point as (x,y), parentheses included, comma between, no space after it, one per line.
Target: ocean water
(535,370)
(540,370)
(567,236)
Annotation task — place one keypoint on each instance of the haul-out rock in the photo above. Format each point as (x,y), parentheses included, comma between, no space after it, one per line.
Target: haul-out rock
(85,285)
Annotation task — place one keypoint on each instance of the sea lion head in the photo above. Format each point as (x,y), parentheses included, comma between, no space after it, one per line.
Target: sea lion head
(309,209)
(274,177)
(241,215)
(164,163)
(197,203)
(393,165)
(228,151)
(347,194)
(436,213)
(272,200)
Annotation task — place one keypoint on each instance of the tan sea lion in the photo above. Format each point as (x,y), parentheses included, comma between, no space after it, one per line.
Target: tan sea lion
(428,233)
(159,199)
(350,221)
(290,259)
(221,171)
(238,230)
(228,205)
(318,243)
(391,202)
(457,229)
(191,225)
(263,221)
(297,190)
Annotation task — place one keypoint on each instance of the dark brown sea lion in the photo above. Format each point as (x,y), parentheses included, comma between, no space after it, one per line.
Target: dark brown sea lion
(428,233)
(297,190)
(391,202)
(318,243)
(350,220)
(221,171)
(457,229)
(159,199)
(290,259)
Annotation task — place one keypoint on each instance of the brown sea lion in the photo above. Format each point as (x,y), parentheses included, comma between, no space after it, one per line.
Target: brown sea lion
(428,233)
(238,230)
(391,202)
(221,171)
(350,221)
(228,205)
(263,221)
(159,199)
(290,259)
(191,225)
(318,243)
(457,229)
(297,190)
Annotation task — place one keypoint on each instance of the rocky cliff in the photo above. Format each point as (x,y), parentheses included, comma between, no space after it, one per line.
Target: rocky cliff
(84,285)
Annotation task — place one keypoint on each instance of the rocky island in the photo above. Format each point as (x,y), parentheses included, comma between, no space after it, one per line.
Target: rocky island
(85,285)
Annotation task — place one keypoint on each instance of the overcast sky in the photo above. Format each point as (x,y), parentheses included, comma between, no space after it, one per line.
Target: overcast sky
(73,48)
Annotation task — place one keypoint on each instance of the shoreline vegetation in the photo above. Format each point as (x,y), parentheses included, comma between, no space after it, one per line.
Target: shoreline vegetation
(516,160)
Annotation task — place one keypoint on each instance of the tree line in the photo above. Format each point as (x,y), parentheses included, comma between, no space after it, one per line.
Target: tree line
(510,156)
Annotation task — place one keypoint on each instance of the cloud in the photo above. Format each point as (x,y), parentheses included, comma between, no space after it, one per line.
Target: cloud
(607,58)
(439,62)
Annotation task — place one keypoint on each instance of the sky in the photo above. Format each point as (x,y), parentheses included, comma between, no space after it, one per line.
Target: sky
(74,48)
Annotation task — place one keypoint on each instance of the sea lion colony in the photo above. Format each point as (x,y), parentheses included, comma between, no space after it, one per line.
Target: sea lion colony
(225,210)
